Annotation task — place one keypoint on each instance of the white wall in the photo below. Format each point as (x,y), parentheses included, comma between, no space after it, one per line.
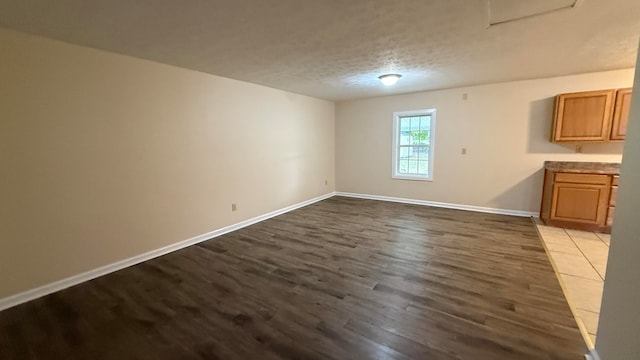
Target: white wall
(103,157)
(619,324)
(505,128)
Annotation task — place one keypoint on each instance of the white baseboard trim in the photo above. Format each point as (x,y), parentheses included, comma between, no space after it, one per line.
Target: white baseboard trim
(440,204)
(593,355)
(47,289)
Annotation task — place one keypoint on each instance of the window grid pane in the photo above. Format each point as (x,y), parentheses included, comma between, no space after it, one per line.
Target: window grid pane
(413,142)
(402,139)
(412,159)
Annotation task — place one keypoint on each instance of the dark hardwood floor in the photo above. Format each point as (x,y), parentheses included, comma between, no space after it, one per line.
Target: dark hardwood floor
(341,279)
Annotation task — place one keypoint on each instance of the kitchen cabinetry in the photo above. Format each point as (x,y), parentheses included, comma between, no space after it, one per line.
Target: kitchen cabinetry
(579,195)
(621,114)
(591,116)
(612,200)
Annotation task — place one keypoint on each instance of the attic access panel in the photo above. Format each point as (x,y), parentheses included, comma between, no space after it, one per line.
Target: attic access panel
(501,11)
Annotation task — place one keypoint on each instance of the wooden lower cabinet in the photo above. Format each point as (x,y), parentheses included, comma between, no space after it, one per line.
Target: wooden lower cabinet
(612,199)
(578,201)
(585,203)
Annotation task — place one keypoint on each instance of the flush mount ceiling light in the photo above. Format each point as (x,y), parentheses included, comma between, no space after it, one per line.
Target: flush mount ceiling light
(389,79)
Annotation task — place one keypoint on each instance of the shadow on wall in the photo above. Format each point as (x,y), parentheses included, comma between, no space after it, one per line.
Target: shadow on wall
(541,113)
(523,196)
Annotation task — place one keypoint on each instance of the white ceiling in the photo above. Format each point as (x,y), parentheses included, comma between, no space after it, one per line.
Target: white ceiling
(336,49)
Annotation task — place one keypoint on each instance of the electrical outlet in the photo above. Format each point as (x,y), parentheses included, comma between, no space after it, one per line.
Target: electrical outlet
(234,207)
(326,182)
(465,96)
(463,151)
(579,148)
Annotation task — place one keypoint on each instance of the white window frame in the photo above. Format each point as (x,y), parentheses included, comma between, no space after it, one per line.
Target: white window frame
(396,144)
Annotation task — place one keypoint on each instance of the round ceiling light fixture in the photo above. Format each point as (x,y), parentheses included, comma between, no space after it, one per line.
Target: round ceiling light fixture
(389,79)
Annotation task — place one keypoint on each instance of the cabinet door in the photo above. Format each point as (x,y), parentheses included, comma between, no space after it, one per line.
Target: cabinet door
(586,202)
(583,116)
(621,114)
(612,199)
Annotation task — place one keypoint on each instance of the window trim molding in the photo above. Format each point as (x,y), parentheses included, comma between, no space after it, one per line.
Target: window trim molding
(396,119)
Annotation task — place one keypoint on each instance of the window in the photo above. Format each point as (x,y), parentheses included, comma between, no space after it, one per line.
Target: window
(413,144)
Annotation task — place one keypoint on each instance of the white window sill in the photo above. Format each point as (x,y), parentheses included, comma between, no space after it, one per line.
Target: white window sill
(409,177)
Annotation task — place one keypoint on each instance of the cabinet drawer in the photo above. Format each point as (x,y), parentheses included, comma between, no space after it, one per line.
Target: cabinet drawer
(610,215)
(612,197)
(595,179)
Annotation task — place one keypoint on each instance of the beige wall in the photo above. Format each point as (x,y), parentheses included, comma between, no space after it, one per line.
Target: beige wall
(620,314)
(103,157)
(504,127)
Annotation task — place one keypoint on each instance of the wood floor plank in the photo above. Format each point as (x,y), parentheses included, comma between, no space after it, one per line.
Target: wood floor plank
(340,279)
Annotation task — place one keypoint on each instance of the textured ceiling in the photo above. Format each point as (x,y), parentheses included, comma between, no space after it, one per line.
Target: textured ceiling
(336,49)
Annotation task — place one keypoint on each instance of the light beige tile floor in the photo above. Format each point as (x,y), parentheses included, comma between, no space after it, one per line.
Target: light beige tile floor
(575,265)
(580,260)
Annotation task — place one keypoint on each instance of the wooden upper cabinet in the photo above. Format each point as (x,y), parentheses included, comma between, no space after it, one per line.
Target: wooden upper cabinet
(600,115)
(621,114)
(583,116)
